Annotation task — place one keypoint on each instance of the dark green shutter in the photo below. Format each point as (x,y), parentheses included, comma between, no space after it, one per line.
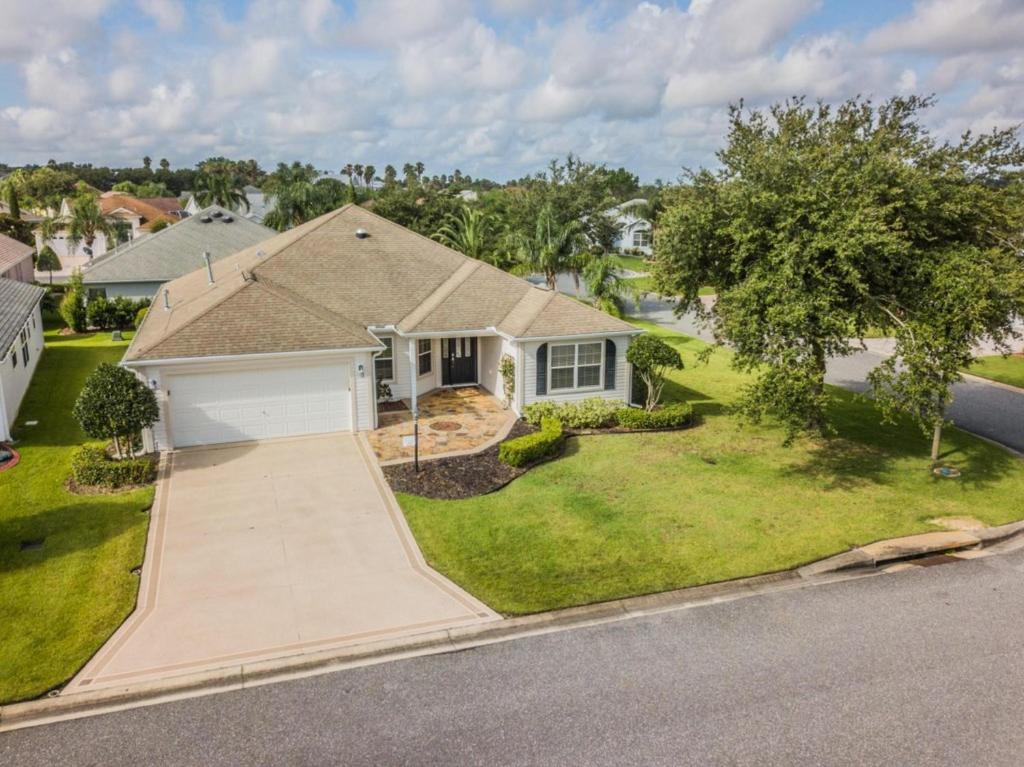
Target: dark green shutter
(609,364)
(542,369)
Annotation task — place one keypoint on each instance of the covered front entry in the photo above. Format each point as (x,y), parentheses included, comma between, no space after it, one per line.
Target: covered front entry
(458,361)
(209,408)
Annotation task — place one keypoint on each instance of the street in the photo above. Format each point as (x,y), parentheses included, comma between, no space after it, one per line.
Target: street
(911,668)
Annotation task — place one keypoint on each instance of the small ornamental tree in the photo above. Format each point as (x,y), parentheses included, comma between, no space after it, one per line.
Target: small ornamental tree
(652,358)
(47,261)
(72,307)
(116,405)
(507,369)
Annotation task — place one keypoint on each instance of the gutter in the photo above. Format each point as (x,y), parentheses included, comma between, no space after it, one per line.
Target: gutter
(246,357)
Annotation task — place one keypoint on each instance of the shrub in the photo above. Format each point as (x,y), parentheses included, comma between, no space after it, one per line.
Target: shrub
(652,359)
(593,413)
(91,466)
(672,416)
(140,315)
(98,313)
(530,448)
(72,306)
(115,404)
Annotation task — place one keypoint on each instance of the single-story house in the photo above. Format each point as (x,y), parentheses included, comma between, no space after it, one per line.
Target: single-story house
(21,346)
(138,216)
(295,335)
(16,260)
(137,269)
(635,233)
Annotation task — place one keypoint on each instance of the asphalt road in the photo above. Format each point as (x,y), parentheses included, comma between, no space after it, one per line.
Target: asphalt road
(922,667)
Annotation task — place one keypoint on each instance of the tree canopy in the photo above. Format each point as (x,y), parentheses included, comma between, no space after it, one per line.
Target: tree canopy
(823,222)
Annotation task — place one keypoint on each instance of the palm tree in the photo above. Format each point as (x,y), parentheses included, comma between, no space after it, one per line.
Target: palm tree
(554,247)
(469,232)
(605,286)
(420,167)
(368,173)
(88,222)
(218,186)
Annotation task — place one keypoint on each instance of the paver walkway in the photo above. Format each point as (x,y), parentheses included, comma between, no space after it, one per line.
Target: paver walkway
(269,549)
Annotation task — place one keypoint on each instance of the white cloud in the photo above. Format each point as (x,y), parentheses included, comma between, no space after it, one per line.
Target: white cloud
(953,26)
(253,67)
(397,23)
(58,81)
(168,14)
(27,28)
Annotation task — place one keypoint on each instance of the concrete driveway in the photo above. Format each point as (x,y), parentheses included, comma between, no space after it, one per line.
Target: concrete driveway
(272,549)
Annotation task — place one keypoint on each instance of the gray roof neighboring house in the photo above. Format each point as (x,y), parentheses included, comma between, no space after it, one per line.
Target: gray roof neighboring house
(17,301)
(328,283)
(13,252)
(178,249)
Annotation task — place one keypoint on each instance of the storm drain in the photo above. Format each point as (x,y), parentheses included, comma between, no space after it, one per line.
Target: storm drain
(33,544)
(932,561)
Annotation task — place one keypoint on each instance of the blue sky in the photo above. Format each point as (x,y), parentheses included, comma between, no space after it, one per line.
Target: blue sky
(492,87)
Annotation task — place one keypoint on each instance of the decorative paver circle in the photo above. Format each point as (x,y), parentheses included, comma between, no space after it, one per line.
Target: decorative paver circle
(446,426)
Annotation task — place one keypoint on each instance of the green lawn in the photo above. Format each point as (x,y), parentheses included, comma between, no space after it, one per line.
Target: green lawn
(622,515)
(1007,370)
(633,263)
(61,602)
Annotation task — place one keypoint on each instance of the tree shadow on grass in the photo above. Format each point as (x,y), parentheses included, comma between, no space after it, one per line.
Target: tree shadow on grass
(843,464)
(64,530)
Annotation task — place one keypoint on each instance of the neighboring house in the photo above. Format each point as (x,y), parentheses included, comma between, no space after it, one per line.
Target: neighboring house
(635,233)
(259,205)
(137,215)
(137,269)
(21,346)
(15,260)
(293,336)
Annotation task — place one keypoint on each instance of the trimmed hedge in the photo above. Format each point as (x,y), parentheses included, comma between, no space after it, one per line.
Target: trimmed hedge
(533,447)
(91,466)
(593,413)
(672,416)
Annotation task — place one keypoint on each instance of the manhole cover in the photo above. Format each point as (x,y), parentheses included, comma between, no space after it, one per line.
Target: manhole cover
(33,544)
(446,426)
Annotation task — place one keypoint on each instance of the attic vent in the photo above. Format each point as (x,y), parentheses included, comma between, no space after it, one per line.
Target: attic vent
(362,234)
(248,276)
(205,220)
(217,214)
(228,219)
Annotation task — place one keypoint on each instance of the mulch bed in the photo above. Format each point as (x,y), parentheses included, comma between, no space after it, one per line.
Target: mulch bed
(460,476)
(391,407)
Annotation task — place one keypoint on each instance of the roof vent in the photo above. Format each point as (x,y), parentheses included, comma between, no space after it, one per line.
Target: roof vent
(217,214)
(227,219)
(362,234)
(205,220)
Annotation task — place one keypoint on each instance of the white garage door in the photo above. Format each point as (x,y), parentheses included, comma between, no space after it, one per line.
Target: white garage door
(209,408)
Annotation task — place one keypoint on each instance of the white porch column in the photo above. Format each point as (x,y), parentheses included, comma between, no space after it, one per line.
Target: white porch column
(413,370)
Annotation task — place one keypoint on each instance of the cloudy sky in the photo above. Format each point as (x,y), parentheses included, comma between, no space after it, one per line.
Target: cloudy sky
(493,87)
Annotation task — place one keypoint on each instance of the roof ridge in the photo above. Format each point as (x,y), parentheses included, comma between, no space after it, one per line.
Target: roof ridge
(319,221)
(450,284)
(525,300)
(309,307)
(188,323)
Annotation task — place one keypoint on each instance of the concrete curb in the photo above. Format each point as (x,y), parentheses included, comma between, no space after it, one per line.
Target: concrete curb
(857,563)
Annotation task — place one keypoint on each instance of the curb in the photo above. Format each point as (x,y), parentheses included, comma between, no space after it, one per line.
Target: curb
(857,563)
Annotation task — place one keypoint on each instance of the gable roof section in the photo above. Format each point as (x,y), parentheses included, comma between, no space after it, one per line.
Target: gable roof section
(17,300)
(13,252)
(176,250)
(110,202)
(319,286)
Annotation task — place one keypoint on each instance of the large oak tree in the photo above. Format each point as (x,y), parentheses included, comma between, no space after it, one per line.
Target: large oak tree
(823,222)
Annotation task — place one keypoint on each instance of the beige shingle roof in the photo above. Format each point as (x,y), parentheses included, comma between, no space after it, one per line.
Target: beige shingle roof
(13,252)
(319,286)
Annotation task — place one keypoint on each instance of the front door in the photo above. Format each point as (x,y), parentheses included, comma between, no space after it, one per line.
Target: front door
(458,361)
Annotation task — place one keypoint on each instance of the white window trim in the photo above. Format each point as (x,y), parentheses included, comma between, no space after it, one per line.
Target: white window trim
(429,353)
(390,343)
(599,386)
